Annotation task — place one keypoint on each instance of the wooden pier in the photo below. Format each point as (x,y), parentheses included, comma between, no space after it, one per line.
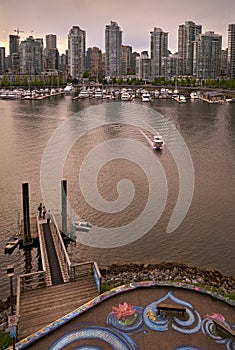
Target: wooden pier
(33,229)
(61,287)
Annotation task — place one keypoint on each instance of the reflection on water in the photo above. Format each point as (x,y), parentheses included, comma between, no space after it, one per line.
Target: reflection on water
(27,260)
(207,234)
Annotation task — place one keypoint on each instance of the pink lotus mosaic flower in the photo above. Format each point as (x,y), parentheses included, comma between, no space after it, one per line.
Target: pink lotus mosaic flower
(123,311)
(218,317)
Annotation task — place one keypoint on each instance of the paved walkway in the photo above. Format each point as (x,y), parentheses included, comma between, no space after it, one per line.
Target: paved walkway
(95,327)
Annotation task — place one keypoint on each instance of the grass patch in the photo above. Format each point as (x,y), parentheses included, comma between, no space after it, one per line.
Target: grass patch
(231,296)
(209,288)
(105,287)
(5,340)
(214,289)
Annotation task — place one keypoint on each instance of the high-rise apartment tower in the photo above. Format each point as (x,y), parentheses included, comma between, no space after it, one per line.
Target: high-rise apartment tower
(159,49)
(94,62)
(231,51)
(51,54)
(207,56)
(14,44)
(31,56)
(143,66)
(76,52)
(2,60)
(187,34)
(113,50)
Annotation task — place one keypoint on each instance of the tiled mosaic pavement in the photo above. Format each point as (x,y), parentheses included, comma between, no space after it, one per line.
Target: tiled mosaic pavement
(127,319)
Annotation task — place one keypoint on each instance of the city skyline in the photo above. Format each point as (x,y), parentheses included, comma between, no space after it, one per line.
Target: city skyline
(58,17)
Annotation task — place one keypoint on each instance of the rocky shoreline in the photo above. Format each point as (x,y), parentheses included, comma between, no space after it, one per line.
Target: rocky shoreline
(115,275)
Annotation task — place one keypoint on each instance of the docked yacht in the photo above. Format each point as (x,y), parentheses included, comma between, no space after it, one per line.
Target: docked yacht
(10,94)
(125,96)
(84,94)
(158,142)
(180,99)
(165,93)
(146,97)
(81,226)
(194,95)
(175,93)
(69,89)
(98,93)
(156,93)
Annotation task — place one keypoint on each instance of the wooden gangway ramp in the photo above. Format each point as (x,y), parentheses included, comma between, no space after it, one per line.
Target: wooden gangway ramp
(52,254)
(40,307)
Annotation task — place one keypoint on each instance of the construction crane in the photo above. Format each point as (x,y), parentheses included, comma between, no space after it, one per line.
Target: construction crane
(18,31)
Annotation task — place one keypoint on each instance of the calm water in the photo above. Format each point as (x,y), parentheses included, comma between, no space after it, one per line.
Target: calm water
(206,236)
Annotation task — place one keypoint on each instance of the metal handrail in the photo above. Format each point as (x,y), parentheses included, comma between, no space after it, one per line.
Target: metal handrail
(62,246)
(77,271)
(18,294)
(41,245)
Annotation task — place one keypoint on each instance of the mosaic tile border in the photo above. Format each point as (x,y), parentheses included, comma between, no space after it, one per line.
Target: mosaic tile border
(121,289)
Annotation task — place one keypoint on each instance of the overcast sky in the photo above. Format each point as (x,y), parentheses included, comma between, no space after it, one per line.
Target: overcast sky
(135,17)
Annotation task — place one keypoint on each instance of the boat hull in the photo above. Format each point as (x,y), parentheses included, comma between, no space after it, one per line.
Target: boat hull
(157,148)
(11,245)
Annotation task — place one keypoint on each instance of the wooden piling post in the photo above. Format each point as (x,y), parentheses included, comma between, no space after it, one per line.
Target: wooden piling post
(26,218)
(64,205)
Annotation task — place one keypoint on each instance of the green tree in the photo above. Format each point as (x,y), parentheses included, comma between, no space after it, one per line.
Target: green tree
(60,81)
(5,81)
(86,74)
(35,82)
(25,81)
(18,80)
(119,81)
(41,82)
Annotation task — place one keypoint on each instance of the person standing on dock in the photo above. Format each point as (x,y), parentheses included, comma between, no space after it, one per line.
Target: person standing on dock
(48,216)
(44,212)
(40,210)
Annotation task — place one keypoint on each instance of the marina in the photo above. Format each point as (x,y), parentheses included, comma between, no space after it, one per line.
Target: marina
(117,93)
(30,94)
